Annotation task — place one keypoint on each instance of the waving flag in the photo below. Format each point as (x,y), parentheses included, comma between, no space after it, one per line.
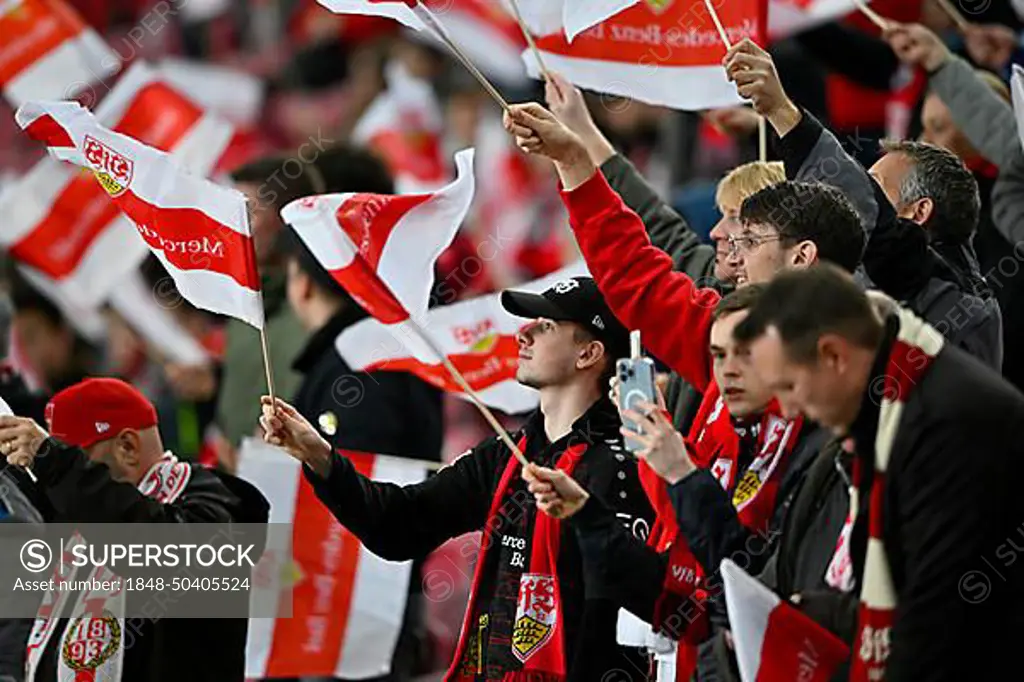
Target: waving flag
(233,94)
(477,336)
(47,51)
(347,603)
(571,16)
(789,17)
(775,641)
(382,248)
(664,52)
(404,124)
(198,230)
(60,222)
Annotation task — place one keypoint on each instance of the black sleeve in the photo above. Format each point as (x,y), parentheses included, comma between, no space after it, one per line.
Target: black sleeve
(369,413)
(618,567)
(852,53)
(82,491)
(708,520)
(407,522)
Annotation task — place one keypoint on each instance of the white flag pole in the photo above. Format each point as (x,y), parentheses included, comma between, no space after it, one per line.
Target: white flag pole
(529,39)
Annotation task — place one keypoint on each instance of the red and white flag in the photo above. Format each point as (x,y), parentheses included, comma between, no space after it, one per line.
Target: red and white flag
(347,603)
(775,641)
(663,52)
(48,52)
(477,336)
(235,95)
(483,29)
(61,223)
(404,124)
(789,17)
(198,230)
(571,16)
(382,248)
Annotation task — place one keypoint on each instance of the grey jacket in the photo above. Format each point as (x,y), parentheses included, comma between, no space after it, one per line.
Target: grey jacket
(669,232)
(951,296)
(14,632)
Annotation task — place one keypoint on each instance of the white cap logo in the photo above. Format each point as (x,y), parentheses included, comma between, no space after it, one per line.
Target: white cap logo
(598,322)
(102,427)
(565,286)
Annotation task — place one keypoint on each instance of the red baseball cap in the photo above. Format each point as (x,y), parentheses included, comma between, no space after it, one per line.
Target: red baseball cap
(95,410)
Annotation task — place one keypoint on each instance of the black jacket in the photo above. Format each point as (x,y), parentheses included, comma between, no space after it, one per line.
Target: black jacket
(401,523)
(952,519)
(944,287)
(391,413)
(168,649)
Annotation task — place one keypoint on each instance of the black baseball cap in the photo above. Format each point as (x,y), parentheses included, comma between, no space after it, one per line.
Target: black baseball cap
(573,300)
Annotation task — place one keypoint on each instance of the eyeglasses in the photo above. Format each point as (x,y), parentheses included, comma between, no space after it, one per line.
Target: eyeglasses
(748,242)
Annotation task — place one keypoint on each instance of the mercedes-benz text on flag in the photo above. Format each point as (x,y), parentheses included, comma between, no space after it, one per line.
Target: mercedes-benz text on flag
(775,641)
(48,52)
(198,230)
(663,52)
(478,336)
(382,248)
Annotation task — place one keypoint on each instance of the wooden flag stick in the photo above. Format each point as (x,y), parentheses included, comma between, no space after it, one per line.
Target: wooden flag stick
(428,18)
(871,14)
(266,365)
(461,381)
(962,24)
(529,39)
(762,139)
(718,24)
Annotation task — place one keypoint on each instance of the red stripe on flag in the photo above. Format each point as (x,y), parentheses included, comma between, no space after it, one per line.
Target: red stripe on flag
(796,648)
(363,284)
(191,240)
(369,220)
(481,369)
(310,642)
(79,214)
(159,116)
(45,129)
(412,153)
(31,30)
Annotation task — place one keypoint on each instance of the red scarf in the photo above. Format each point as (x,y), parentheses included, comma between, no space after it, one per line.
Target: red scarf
(538,635)
(911,355)
(715,445)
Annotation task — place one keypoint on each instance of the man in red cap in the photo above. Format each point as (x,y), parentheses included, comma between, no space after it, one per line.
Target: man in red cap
(103,462)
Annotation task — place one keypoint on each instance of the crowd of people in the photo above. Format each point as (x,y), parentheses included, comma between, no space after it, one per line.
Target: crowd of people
(834,329)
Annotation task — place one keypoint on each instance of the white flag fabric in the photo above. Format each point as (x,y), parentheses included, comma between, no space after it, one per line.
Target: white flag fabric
(137,304)
(1017,92)
(477,336)
(233,94)
(789,17)
(198,230)
(405,125)
(663,53)
(775,641)
(60,222)
(48,52)
(347,603)
(382,248)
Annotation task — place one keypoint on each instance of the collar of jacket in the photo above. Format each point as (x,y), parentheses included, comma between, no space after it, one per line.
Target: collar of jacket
(865,426)
(322,340)
(599,423)
(962,265)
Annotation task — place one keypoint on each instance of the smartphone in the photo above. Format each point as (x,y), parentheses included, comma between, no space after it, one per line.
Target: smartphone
(636,383)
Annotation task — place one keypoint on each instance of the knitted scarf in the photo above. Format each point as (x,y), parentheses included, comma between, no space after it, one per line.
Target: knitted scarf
(92,644)
(716,446)
(538,634)
(912,353)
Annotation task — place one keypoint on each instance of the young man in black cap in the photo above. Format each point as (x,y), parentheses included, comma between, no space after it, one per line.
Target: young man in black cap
(529,616)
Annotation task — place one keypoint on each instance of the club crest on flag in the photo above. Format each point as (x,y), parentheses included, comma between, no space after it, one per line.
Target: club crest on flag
(479,339)
(659,6)
(90,642)
(113,170)
(536,614)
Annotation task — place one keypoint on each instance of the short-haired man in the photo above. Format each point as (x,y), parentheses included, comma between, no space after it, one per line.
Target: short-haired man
(529,616)
(103,462)
(938,448)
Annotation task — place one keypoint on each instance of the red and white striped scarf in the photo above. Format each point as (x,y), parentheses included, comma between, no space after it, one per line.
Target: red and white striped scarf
(93,643)
(912,353)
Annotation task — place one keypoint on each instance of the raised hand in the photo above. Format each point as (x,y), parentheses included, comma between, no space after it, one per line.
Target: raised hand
(538,131)
(916,45)
(663,446)
(20,439)
(567,103)
(753,71)
(285,428)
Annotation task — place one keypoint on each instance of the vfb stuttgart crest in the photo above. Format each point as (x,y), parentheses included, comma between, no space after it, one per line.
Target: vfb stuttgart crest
(113,170)
(90,642)
(536,614)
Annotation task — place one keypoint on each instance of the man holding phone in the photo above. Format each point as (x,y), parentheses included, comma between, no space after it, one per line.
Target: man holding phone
(529,616)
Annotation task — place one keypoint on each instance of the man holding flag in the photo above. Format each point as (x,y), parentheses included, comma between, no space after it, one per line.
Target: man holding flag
(529,616)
